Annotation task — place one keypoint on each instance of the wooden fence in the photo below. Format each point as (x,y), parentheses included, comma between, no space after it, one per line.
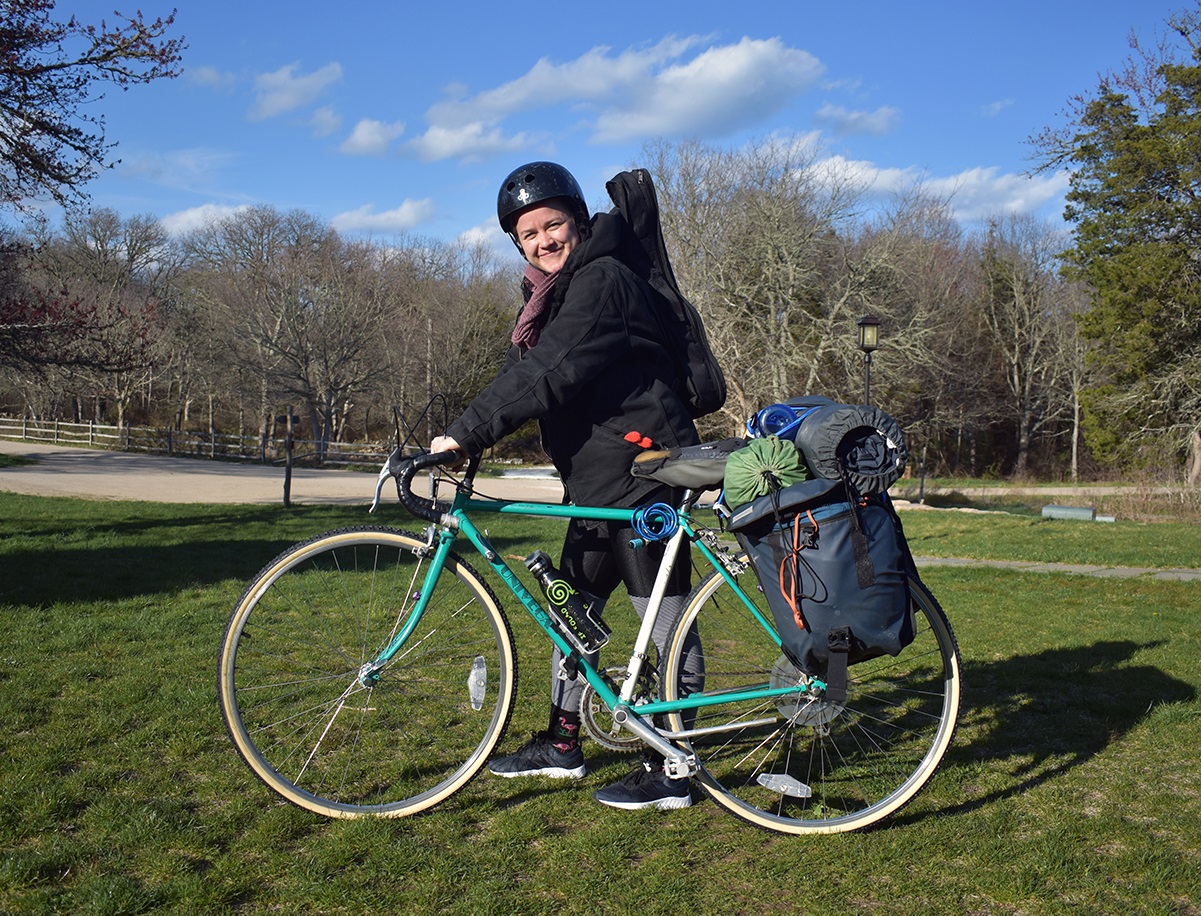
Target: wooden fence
(194,444)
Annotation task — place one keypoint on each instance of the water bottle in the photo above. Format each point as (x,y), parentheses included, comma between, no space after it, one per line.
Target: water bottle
(477,682)
(571,607)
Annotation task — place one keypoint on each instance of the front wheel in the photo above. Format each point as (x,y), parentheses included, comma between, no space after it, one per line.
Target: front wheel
(797,764)
(325,726)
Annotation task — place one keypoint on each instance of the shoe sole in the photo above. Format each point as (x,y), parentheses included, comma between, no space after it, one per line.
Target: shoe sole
(550,772)
(663,804)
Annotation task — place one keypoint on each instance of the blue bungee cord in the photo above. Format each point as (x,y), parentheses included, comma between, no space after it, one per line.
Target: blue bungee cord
(656,522)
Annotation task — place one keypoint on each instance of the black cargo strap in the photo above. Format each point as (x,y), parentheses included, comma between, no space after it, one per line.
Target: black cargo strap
(836,674)
(865,570)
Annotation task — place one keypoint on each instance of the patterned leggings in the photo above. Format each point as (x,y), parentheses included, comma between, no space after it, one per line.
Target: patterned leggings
(597,556)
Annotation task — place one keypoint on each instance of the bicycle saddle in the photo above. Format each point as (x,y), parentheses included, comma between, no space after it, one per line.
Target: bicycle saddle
(696,467)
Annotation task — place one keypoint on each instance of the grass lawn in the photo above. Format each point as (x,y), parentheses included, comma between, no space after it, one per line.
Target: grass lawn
(1074,784)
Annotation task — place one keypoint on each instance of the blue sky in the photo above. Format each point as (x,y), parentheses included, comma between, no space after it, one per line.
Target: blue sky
(402,117)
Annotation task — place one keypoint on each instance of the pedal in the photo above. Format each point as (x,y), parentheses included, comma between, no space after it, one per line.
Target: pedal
(680,767)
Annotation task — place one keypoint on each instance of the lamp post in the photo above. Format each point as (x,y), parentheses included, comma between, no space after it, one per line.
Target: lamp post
(869,340)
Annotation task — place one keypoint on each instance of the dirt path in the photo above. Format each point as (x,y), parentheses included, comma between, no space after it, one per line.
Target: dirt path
(99,474)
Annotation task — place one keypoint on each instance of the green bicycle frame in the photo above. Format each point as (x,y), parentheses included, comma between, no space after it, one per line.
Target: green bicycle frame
(629,711)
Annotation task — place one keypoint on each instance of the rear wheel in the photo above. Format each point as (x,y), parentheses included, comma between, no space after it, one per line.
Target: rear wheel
(313,717)
(799,764)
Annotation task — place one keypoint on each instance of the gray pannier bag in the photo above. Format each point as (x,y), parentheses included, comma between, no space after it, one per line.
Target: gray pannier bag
(833,563)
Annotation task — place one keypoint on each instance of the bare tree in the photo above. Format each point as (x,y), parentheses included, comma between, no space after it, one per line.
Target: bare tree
(477,299)
(758,241)
(49,143)
(929,368)
(452,306)
(1027,314)
(109,277)
(243,270)
(783,256)
(331,310)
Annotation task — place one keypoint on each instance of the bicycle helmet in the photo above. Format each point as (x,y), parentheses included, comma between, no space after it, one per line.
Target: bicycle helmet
(534,183)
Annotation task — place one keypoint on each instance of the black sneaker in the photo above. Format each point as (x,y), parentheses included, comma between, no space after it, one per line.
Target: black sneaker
(646,787)
(540,757)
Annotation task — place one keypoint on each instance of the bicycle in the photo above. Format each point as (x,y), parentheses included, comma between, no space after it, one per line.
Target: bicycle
(371,671)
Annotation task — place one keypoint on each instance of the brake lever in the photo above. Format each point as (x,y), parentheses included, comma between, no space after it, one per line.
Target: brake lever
(392,468)
(384,474)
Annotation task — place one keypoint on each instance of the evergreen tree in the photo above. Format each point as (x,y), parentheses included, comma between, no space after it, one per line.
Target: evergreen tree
(1134,156)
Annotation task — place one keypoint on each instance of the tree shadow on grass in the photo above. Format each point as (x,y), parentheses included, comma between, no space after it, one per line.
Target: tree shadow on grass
(79,557)
(161,550)
(1032,718)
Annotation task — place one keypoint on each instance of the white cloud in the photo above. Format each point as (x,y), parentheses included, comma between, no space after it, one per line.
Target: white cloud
(973,194)
(841,121)
(795,145)
(489,236)
(284,90)
(865,175)
(995,108)
(595,76)
(719,91)
(183,168)
(211,77)
(371,138)
(471,141)
(982,192)
(197,217)
(636,94)
(407,216)
(325,121)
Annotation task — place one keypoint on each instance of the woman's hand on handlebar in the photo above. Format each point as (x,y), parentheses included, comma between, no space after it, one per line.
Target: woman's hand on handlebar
(448,444)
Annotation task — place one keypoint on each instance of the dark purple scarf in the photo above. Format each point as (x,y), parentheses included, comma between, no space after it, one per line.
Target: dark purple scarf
(533,315)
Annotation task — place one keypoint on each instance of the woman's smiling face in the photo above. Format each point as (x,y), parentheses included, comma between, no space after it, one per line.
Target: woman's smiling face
(547,234)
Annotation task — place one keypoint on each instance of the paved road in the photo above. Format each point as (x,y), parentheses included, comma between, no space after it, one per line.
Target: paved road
(97,474)
(1080,569)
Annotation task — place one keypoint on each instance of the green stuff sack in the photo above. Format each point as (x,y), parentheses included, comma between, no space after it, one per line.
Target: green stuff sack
(764,466)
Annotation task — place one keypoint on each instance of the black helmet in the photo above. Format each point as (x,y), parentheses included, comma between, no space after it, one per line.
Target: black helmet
(533,183)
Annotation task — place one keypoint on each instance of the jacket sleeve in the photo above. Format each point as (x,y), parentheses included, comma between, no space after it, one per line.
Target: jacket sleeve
(581,339)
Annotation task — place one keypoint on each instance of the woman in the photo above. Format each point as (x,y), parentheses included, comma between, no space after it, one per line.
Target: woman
(589,364)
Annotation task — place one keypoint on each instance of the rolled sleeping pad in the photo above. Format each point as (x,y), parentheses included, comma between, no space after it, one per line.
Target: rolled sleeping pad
(860,442)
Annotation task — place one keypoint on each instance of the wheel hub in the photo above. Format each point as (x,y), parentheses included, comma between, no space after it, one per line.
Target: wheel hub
(807,707)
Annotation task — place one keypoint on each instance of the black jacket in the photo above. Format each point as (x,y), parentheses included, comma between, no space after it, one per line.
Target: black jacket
(599,371)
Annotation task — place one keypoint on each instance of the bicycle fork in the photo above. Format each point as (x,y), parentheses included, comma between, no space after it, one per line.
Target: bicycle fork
(369,673)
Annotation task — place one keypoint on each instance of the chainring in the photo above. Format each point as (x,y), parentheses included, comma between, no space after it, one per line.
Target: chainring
(597,721)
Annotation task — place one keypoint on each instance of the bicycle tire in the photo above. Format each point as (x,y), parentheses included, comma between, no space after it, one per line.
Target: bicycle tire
(318,732)
(799,765)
